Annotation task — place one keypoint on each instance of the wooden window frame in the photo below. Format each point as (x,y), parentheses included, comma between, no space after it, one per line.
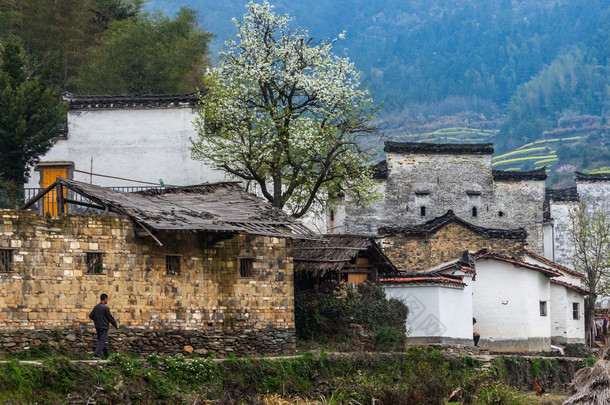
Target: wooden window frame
(95,259)
(173,265)
(543,308)
(246,267)
(6,260)
(575,310)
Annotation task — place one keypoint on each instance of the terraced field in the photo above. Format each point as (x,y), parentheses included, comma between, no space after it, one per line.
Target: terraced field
(533,155)
(450,135)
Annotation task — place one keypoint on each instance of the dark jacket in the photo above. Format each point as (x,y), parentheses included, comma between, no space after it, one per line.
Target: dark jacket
(101,316)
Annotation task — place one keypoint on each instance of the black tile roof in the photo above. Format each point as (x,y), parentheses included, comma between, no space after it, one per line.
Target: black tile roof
(437,223)
(440,148)
(78,102)
(380,170)
(562,194)
(592,178)
(502,175)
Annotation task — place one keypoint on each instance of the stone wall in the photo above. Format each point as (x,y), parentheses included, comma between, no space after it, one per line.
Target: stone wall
(457,182)
(412,253)
(49,287)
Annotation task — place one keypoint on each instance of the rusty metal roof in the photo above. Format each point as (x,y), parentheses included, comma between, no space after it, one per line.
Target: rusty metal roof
(217,207)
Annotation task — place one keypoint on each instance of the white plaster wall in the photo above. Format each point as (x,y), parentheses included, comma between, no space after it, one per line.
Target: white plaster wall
(506,302)
(435,311)
(145,144)
(547,232)
(562,249)
(568,278)
(565,329)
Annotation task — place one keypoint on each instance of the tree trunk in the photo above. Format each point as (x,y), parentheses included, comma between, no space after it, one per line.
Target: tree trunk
(590,317)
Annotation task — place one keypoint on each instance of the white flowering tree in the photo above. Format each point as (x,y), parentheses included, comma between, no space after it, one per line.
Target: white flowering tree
(286,114)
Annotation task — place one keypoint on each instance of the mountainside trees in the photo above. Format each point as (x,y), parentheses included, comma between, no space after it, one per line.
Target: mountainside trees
(30,113)
(283,112)
(148,54)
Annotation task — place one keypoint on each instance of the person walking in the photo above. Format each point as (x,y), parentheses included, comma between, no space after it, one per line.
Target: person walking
(102,319)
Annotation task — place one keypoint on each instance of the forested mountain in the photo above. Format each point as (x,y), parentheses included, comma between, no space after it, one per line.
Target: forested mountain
(525,64)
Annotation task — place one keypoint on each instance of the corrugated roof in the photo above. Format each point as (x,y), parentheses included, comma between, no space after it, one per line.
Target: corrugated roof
(218,207)
(440,148)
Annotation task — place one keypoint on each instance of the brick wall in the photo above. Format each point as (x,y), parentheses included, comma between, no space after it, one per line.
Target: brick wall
(416,253)
(49,287)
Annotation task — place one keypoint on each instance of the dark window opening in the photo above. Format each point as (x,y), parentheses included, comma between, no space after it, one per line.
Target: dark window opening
(245,267)
(332,215)
(575,310)
(501,214)
(422,211)
(6,260)
(474,211)
(542,308)
(95,265)
(172,265)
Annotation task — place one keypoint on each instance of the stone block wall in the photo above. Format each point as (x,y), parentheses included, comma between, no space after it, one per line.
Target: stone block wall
(418,253)
(49,287)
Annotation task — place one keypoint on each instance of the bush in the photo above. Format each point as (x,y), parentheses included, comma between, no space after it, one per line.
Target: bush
(390,339)
(333,314)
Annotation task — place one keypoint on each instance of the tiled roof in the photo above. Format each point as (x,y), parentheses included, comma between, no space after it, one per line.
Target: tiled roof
(561,195)
(492,256)
(557,266)
(437,223)
(335,251)
(380,170)
(592,178)
(440,148)
(78,102)
(570,286)
(503,175)
(424,278)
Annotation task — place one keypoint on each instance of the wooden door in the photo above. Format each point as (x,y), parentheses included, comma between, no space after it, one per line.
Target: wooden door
(357,278)
(49,175)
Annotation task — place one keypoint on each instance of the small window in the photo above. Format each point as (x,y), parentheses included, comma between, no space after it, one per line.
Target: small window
(422,211)
(95,265)
(501,213)
(245,267)
(172,265)
(474,211)
(542,308)
(575,310)
(6,260)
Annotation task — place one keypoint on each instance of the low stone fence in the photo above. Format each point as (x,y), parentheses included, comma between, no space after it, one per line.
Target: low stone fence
(222,342)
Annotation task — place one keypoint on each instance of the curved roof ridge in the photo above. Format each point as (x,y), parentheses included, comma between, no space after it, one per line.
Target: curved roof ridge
(503,175)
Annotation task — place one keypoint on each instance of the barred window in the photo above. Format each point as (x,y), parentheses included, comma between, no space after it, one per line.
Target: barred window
(172,265)
(95,264)
(245,267)
(6,260)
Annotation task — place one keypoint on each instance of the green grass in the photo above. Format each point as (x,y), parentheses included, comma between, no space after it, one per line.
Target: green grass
(523,159)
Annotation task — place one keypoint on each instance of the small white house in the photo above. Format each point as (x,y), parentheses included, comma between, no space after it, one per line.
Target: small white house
(111,141)
(519,306)
(440,305)
(568,298)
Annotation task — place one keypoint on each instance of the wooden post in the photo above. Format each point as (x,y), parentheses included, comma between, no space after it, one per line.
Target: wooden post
(60,198)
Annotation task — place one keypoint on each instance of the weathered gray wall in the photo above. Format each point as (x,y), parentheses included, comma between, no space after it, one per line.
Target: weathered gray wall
(457,182)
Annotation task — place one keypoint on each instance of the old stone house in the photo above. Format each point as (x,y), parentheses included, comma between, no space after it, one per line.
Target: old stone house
(208,266)
(421,181)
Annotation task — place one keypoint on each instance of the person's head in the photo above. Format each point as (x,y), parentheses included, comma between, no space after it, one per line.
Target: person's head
(474,320)
(104,298)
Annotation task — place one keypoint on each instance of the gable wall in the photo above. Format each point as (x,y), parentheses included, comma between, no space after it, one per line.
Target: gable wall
(415,253)
(49,288)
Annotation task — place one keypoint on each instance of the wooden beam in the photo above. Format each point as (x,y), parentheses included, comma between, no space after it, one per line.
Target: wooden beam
(38,197)
(84,204)
(60,199)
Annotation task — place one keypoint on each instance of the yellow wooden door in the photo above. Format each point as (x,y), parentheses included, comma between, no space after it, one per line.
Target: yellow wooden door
(357,278)
(49,175)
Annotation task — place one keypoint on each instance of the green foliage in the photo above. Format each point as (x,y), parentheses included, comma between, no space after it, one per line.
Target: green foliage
(390,338)
(284,112)
(146,54)
(325,316)
(30,113)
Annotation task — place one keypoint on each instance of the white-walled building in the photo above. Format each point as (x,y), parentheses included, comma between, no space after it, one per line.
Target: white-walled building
(520,306)
(112,140)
